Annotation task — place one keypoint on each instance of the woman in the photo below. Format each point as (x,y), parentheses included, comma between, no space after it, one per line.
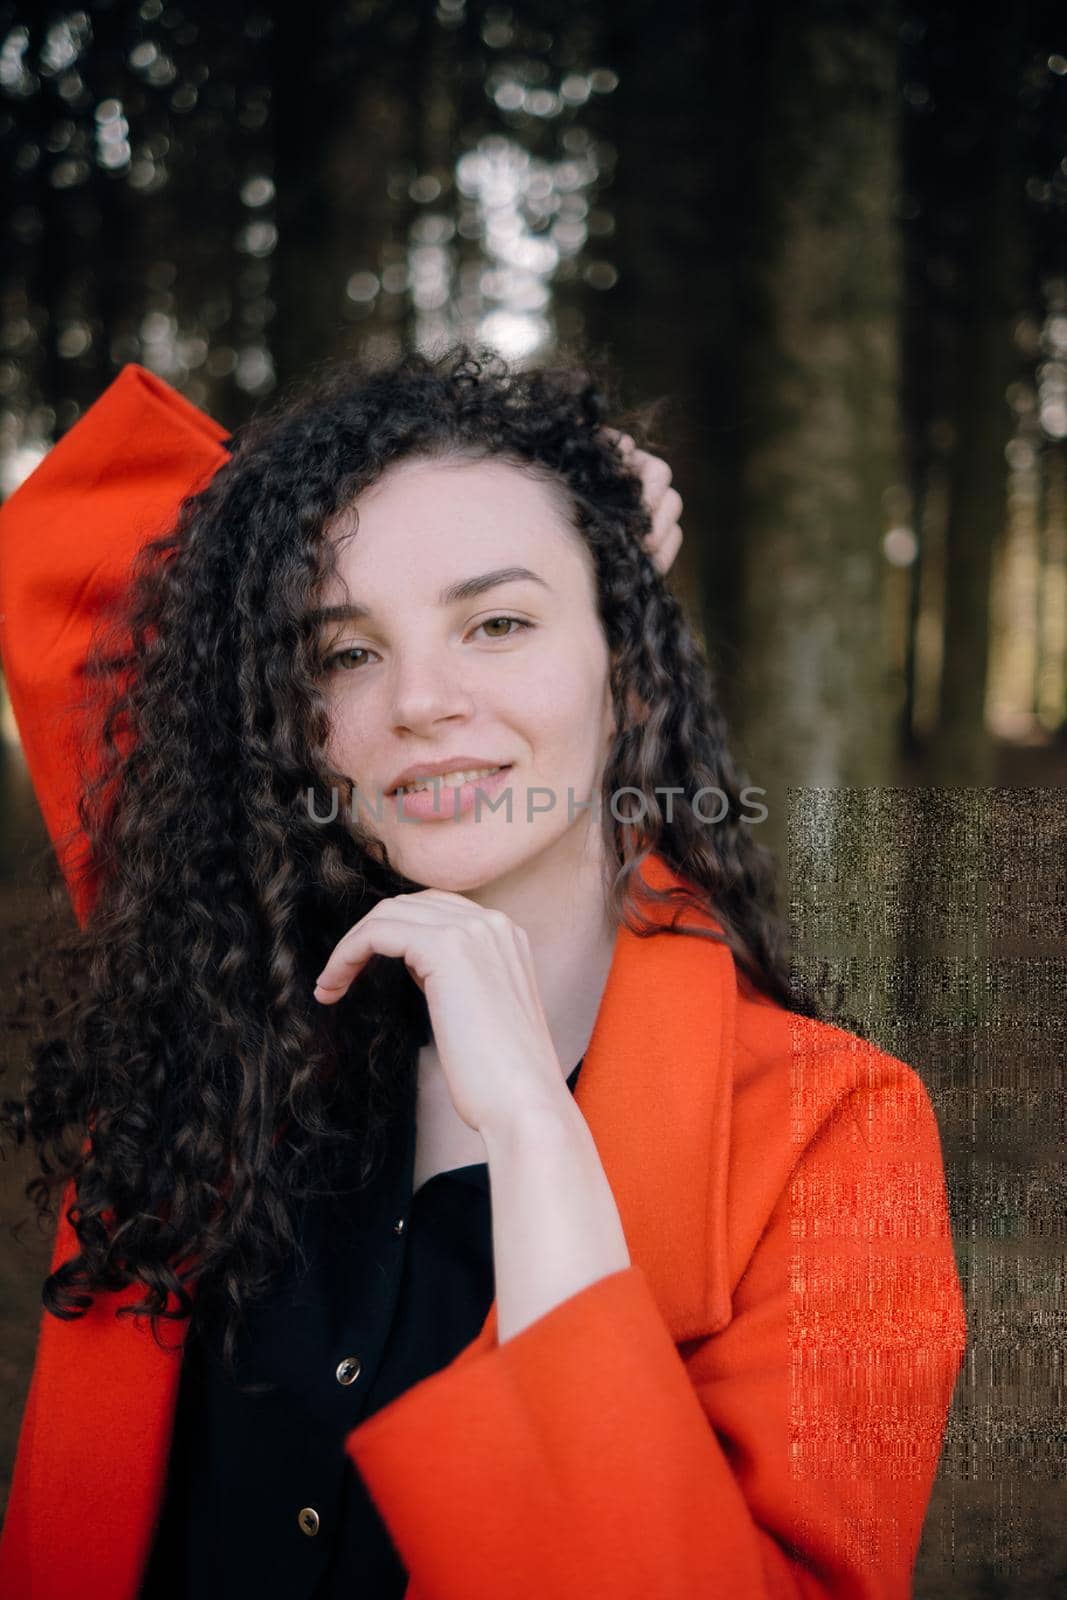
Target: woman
(705,1338)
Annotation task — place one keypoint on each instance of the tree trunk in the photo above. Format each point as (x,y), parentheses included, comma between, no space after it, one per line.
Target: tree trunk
(820,385)
(669,322)
(991,295)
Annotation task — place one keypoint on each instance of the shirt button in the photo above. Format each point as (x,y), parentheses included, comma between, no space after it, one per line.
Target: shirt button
(349,1370)
(308,1519)
(398,1225)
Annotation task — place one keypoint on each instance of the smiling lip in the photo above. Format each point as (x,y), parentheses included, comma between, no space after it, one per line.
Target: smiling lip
(443,803)
(435,769)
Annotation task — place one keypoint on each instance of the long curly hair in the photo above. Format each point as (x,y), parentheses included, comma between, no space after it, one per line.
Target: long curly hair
(197,1093)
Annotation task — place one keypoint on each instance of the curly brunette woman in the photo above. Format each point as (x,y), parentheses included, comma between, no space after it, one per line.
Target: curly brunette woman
(456,1198)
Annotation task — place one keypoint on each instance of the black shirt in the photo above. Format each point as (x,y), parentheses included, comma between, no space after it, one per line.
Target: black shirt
(261,1497)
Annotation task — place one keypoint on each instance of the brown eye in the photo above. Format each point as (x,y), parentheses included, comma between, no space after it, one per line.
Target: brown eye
(517,621)
(333,662)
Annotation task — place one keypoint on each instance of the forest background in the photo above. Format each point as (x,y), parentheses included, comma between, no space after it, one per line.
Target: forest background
(831,237)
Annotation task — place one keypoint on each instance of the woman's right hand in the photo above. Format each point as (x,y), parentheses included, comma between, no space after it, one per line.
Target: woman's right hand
(665,503)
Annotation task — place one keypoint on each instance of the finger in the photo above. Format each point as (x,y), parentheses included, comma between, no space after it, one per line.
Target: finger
(664,547)
(668,511)
(405,917)
(665,517)
(449,900)
(380,932)
(655,474)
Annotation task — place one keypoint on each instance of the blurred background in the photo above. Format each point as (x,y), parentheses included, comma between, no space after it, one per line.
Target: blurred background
(832,237)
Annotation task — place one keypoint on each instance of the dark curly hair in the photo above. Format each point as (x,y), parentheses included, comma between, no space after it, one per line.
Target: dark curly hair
(198,1092)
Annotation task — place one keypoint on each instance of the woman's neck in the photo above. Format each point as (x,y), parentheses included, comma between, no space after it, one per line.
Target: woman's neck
(559,901)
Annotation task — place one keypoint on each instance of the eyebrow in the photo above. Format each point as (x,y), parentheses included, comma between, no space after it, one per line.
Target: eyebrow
(465,589)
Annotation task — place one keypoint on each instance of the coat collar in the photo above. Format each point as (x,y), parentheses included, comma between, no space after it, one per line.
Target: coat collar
(655,1088)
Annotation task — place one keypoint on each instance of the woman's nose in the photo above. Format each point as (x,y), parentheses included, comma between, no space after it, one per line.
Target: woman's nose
(426,689)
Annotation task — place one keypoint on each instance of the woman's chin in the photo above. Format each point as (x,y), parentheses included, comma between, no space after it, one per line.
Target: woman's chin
(454,860)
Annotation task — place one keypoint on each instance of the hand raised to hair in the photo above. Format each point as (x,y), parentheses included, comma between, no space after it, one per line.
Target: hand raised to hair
(665,503)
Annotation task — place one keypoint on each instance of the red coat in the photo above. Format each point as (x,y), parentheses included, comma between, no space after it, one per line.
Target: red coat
(754,1408)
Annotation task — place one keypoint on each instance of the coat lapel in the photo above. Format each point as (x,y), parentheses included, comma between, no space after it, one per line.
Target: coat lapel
(655,1088)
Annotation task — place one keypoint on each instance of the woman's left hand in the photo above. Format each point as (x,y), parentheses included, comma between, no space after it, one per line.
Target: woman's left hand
(475,968)
(664,503)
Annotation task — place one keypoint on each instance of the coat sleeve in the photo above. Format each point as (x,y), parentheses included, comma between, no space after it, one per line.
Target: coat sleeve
(68,537)
(791,1454)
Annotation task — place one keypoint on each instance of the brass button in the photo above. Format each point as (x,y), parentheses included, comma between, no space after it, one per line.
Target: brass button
(308,1518)
(398,1225)
(349,1370)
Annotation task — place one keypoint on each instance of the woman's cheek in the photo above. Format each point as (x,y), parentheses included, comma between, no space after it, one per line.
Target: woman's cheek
(348,735)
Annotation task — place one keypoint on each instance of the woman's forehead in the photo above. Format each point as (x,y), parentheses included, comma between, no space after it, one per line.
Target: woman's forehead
(459,486)
(424,519)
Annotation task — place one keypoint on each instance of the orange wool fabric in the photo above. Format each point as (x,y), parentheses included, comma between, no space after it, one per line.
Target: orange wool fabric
(754,1408)
(67,537)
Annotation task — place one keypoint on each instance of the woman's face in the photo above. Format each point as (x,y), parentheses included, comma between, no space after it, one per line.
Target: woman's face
(422,676)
